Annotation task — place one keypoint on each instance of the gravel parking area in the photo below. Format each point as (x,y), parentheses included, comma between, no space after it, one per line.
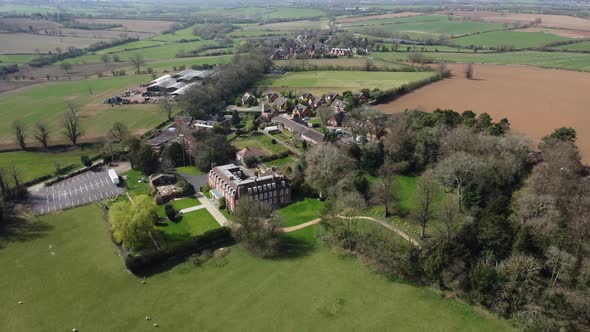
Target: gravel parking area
(83,189)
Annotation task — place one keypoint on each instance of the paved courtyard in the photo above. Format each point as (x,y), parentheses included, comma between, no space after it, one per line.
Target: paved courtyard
(82,189)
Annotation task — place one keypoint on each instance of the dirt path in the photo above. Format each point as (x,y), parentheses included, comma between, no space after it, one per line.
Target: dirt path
(536,101)
(377,221)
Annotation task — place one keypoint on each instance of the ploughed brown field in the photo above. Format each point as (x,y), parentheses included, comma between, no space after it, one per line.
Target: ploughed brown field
(549,21)
(535,101)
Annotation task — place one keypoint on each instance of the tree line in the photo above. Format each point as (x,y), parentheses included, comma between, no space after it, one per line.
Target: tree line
(502,223)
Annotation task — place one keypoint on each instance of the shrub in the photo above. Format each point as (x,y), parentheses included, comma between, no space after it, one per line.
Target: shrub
(200,259)
(86,161)
(273,141)
(170,213)
(222,203)
(250,161)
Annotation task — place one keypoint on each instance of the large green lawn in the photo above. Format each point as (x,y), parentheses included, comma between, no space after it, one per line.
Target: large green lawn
(339,81)
(300,212)
(258,141)
(189,225)
(46,102)
(560,60)
(67,274)
(517,39)
(32,165)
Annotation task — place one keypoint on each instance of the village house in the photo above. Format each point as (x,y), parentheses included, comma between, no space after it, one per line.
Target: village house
(280,104)
(360,96)
(337,119)
(248,152)
(317,101)
(267,112)
(331,96)
(302,111)
(233,184)
(248,99)
(304,96)
(303,131)
(340,51)
(270,96)
(339,105)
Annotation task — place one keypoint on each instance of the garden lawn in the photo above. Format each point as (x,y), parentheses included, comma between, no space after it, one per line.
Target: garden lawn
(46,102)
(517,39)
(258,141)
(188,226)
(559,60)
(31,165)
(189,170)
(179,204)
(134,186)
(339,81)
(300,212)
(84,285)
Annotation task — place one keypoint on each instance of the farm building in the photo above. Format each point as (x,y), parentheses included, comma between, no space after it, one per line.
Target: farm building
(179,83)
(232,183)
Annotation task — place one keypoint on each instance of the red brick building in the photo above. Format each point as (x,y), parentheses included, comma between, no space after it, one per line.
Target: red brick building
(232,183)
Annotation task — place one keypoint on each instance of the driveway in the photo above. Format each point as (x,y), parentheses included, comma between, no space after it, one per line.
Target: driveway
(88,187)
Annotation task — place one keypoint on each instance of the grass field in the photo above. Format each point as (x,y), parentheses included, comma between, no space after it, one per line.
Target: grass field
(356,62)
(46,102)
(189,170)
(189,225)
(339,81)
(179,204)
(427,25)
(32,165)
(290,26)
(559,60)
(16,58)
(582,46)
(517,39)
(258,141)
(83,285)
(133,185)
(300,212)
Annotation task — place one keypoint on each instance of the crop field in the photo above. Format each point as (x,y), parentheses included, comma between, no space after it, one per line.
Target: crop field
(517,39)
(290,26)
(553,21)
(546,99)
(560,60)
(265,12)
(339,81)
(151,26)
(46,102)
(582,46)
(375,17)
(163,52)
(429,25)
(67,258)
(188,62)
(13,42)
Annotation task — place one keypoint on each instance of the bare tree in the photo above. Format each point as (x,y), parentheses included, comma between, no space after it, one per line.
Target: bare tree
(383,190)
(72,130)
(137,60)
(325,114)
(120,132)
(19,132)
(469,71)
(326,165)
(15,175)
(457,169)
(105,58)
(42,134)
(66,67)
(167,106)
(425,192)
(256,226)
(449,215)
(3,183)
